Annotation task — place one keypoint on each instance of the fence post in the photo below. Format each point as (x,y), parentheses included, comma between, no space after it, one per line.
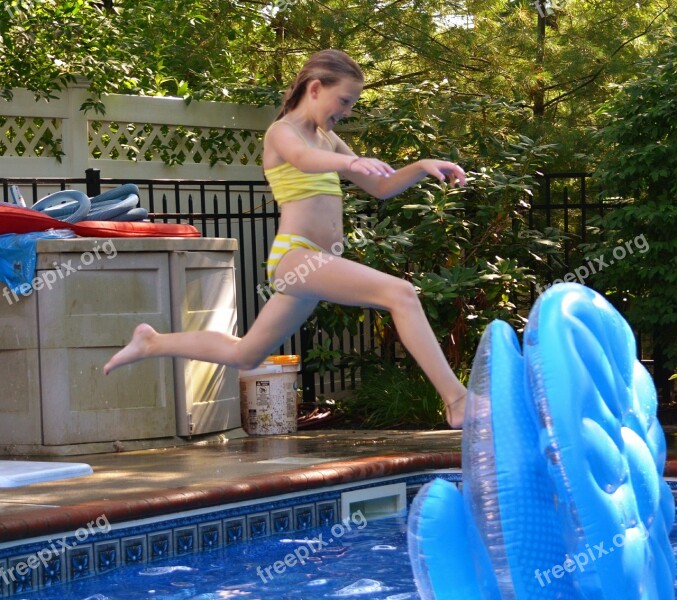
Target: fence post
(75,128)
(93,181)
(661,375)
(307,378)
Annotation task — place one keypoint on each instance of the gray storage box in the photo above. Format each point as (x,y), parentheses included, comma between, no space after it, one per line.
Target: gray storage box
(91,295)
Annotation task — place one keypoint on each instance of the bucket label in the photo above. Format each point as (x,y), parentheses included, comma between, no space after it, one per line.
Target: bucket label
(268,406)
(263,394)
(252,418)
(290,394)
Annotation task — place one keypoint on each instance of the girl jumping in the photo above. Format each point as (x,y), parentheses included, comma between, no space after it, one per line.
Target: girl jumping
(303,161)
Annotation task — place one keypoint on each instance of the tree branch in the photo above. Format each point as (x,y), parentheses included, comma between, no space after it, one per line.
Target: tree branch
(593,76)
(394,80)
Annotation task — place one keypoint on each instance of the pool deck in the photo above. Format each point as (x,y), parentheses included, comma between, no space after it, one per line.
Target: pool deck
(146,483)
(149,483)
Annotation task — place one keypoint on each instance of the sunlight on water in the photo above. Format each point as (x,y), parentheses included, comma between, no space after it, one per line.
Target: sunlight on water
(366,563)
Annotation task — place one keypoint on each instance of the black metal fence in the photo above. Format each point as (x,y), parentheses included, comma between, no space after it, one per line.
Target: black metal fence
(567,201)
(244,210)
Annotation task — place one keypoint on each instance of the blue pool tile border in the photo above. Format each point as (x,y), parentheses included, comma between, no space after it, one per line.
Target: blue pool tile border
(173,535)
(163,537)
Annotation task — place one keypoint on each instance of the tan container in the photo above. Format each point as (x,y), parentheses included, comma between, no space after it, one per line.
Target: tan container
(268,396)
(93,292)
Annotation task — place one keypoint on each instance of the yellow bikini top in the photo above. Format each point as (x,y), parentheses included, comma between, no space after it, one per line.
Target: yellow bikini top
(289,184)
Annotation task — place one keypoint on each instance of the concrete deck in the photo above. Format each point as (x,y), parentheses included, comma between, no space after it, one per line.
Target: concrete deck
(147,483)
(139,484)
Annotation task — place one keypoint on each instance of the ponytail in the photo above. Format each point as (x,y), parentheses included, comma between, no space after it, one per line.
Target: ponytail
(328,66)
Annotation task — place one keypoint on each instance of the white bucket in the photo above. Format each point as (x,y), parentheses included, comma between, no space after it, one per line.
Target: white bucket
(268,396)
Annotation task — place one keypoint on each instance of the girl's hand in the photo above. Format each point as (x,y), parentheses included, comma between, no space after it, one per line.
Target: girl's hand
(370,166)
(443,169)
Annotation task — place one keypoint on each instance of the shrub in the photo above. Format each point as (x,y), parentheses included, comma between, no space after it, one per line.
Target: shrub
(464,249)
(639,168)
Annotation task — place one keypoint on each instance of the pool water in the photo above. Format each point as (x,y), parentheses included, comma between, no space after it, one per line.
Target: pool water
(357,559)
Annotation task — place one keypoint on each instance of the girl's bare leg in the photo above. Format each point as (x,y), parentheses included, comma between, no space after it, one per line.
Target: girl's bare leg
(319,276)
(345,282)
(281,316)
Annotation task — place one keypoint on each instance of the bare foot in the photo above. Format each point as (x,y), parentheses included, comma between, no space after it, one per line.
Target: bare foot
(135,350)
(456,412)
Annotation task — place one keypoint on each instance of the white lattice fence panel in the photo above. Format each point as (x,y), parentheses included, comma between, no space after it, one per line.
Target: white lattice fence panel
(247,148)
(137,137)
(29,136)
(174,143)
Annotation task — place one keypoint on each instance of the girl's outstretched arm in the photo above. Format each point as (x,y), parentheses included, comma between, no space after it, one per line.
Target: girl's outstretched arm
(407,176)
(399,180)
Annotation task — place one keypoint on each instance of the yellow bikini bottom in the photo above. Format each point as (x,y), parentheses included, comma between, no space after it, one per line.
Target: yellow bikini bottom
(283,243)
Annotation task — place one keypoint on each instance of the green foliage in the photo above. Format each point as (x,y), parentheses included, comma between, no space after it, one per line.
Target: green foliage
(639,167)
(191,49)
(392,397)
(321,358)
(249,50)
(466,250)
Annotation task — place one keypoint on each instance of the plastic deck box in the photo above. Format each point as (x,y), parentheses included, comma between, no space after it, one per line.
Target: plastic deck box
(88,296)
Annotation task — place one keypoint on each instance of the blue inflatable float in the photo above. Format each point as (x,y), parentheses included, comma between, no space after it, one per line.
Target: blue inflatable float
(563,495)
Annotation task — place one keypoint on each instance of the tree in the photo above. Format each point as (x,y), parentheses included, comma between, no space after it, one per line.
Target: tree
(554,56)
(148,47)
(640,167)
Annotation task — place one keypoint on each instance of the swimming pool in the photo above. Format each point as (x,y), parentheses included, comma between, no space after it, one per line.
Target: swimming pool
(353,559)
(253,549)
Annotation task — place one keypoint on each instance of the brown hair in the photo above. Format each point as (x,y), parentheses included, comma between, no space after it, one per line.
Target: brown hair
(329,66)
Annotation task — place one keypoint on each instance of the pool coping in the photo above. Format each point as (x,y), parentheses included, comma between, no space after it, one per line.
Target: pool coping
(143,505)
(143,527)
(51,520)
